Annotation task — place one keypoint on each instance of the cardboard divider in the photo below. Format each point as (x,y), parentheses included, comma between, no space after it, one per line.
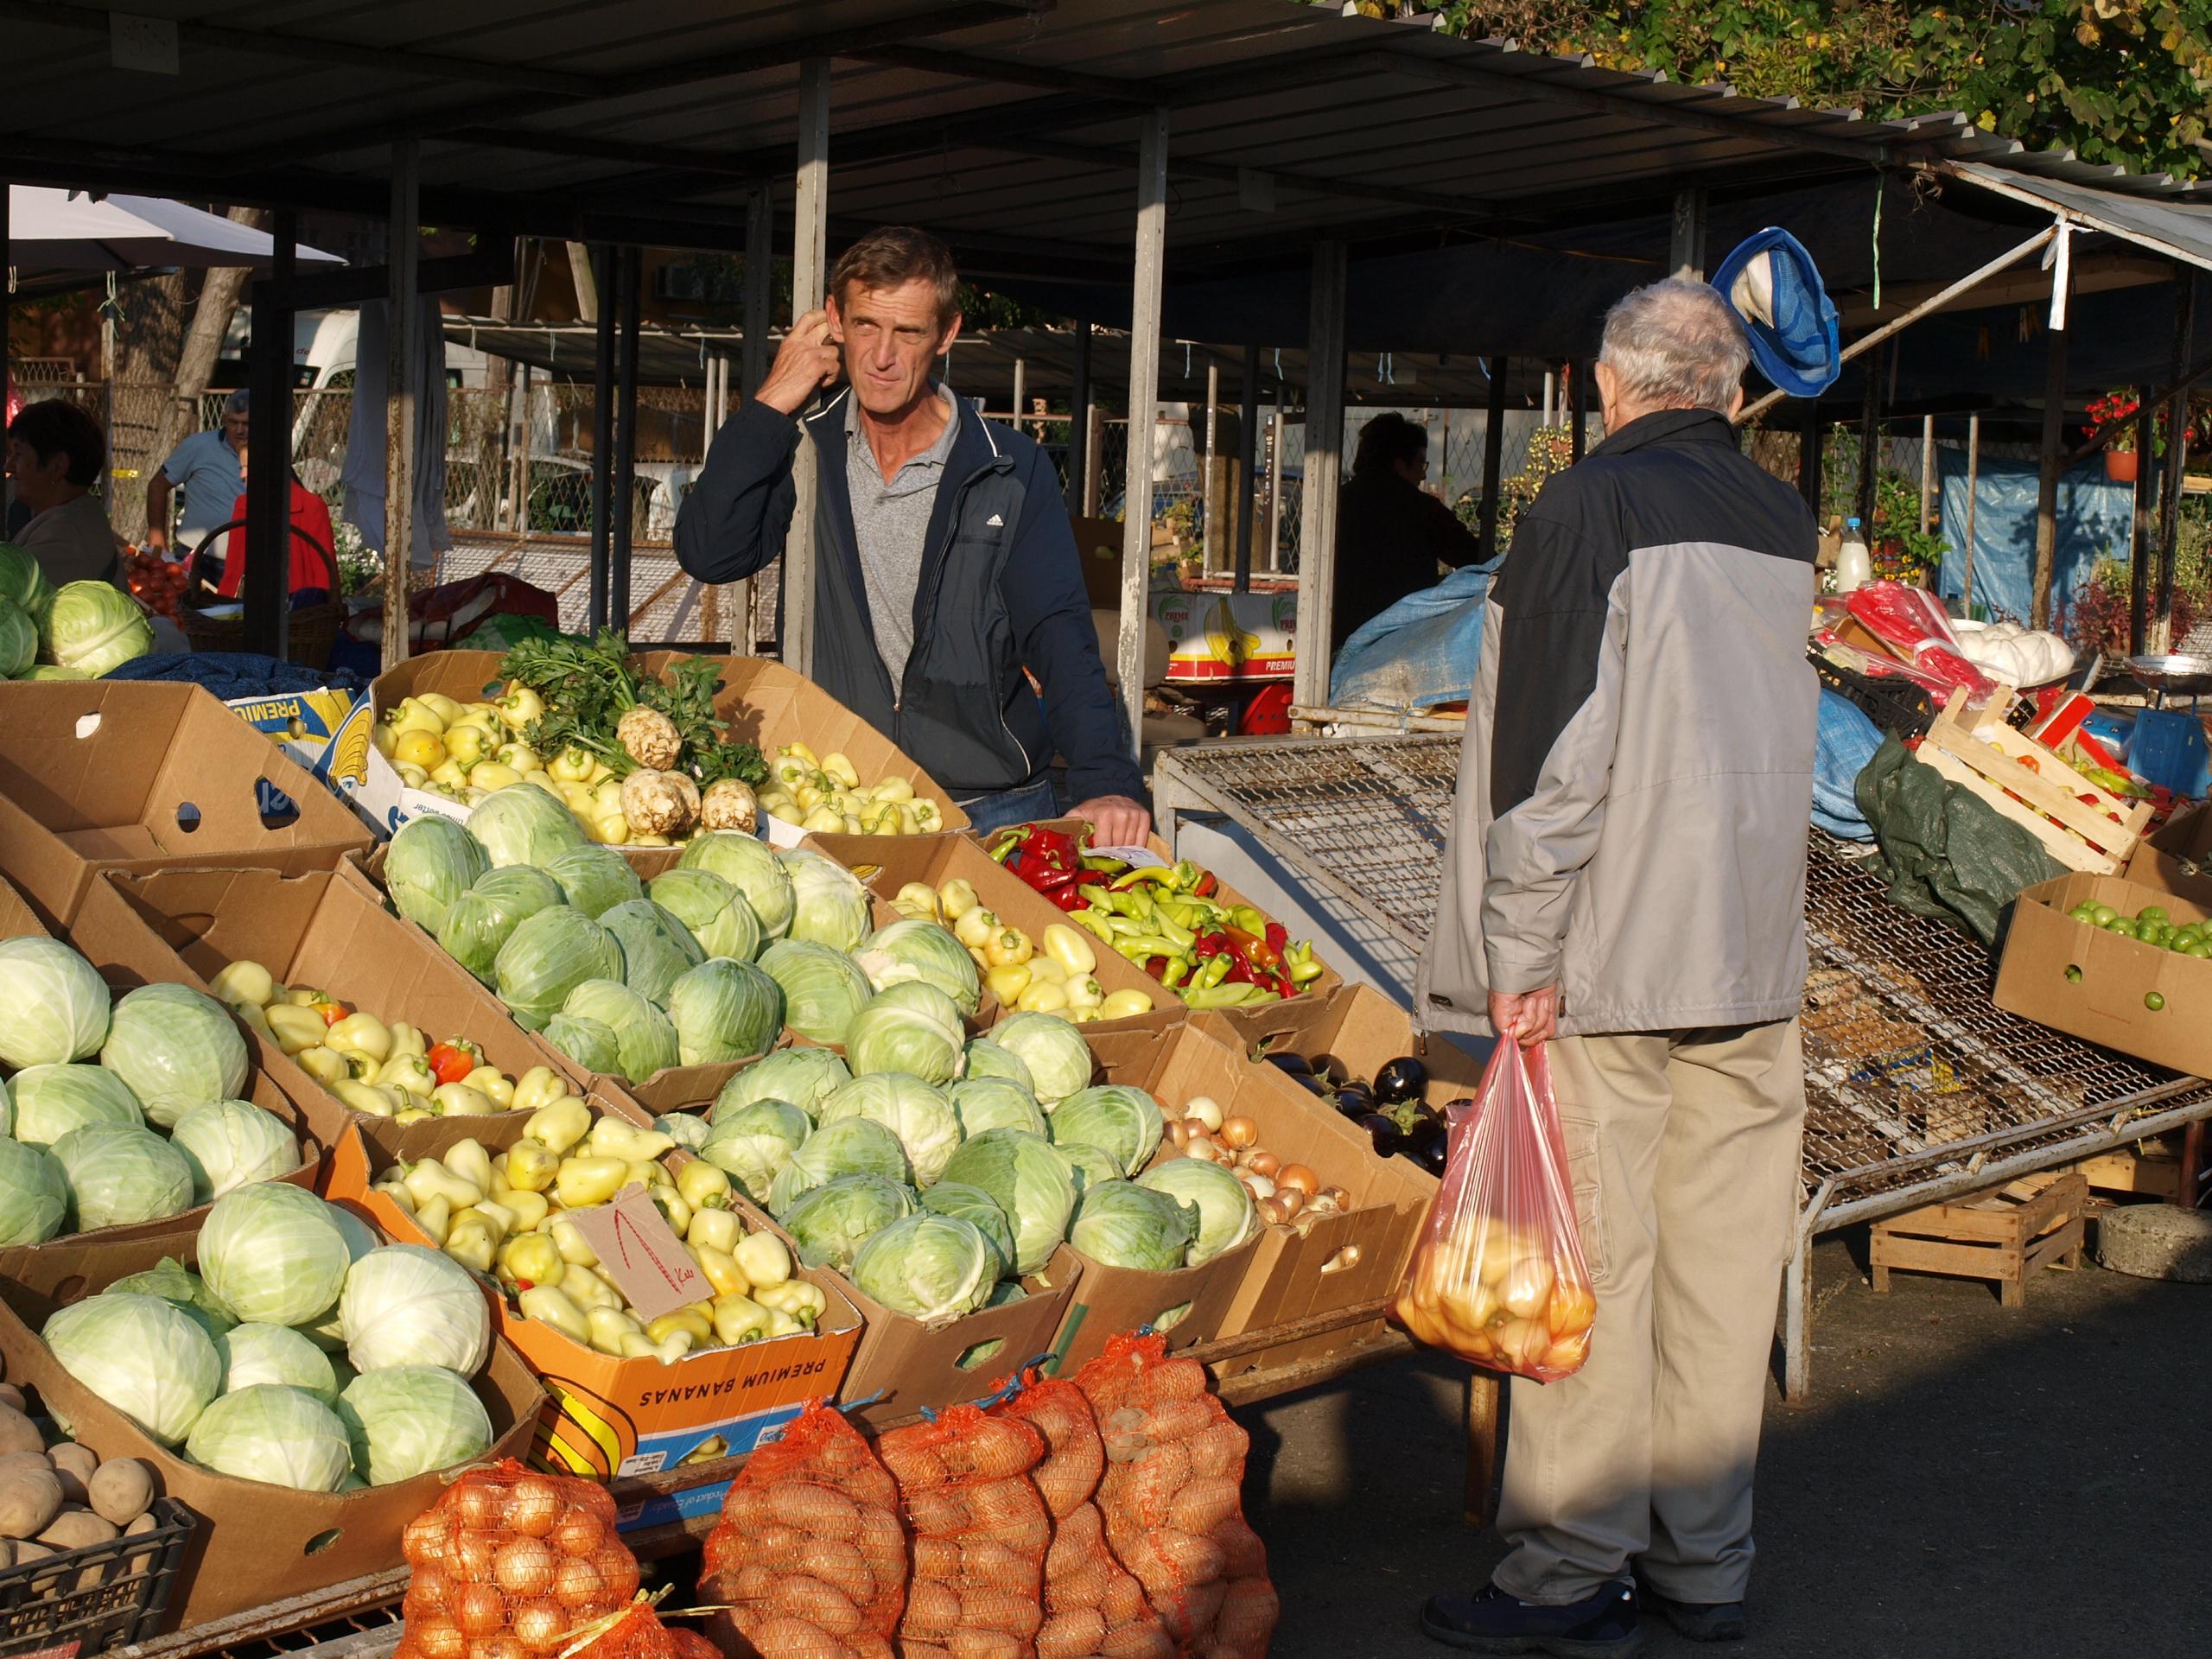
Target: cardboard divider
(148,776)
(316,930)
(604,1417)
(255,1541)
(2175,859)
(2107,1002)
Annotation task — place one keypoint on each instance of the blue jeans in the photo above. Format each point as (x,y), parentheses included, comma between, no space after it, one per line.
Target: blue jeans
(1023,805)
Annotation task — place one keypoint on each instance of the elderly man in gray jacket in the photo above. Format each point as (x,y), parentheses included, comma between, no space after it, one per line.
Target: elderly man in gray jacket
(1626,882)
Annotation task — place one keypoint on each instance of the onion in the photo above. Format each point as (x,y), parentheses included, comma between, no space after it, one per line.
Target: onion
(478,1610)
(1202,1149)
(501,1645)
(579,1534)
(618,1570)
(534,1507)
(1336,1195)
(539,1625)
(473,1554)
(1239,1131)
(437,1637)
(1177,1134)
(1260,1186)
(525,1568)
(1271,1212)
(1206,1110)
(1347,1257)
(1263,1163)
(1290,1200)
(427,1542)
(428,1587)
(1298,1176)
(577,1583)
(481,1505)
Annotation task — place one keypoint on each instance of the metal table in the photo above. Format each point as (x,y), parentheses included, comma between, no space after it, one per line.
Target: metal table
(1918,1088)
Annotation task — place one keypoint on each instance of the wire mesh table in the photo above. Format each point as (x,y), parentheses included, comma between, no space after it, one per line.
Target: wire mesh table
(1917,1087)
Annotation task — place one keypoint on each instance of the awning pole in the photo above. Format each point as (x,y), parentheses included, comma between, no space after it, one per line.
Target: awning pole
(2147,480)
(1148,278)
(1973,484)
(1247,455)
(2162,624)
(603,429)
(406,241)
(1810,458)
(267,588)
(1869,447)
(1079,422)
(1210,477)
(2054,426)
(1927,467)
(1275,485)
(626,438)
(1686,253)
(1021,394)
(759,296)
(810,272)
(1493,455)
(1324,467)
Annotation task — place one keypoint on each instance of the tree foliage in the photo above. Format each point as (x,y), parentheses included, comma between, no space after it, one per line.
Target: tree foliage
(2120,81)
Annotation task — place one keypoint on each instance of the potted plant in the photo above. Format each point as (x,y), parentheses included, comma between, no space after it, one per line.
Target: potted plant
(2113,414)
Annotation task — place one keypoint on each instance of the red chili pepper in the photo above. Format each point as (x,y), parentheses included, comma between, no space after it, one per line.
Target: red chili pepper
(1278,937)
(1240,972)
(1206,886)
(450,1064)
(332,1011)
(1156,966)
(1068,896)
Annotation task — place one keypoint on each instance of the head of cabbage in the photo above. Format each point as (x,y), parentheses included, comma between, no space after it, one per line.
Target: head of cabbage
(1121,1121)
(1029,1180)
(182,1289)
(831,1222)
(750,864)
(645,1041)
(911,1027)
(549,955)
(822,990)
(752,1144)
(34,1193)
(95,627)
(1121,1225)
(24,583)
(911,949)
(716,913)
(828,904)
(432,861)
(1227,1215)
(479,921)
(1091,1165)
(851,1146)
(596,879)
(988,1060)
(53,1005)
(1059,1059)
(801,1076)
(983,1103)
(688,1129)
(256,1354)
(590,1043)
(230,1142)
(929,1267)
(408,1419)
(980,1210)
(142,1356)
(911,1109)
(52,1100)
(409,1305)
(274,1254)
(18,639)
(725,1009)
(524,824)
(657,949)
(175,1048)
(278,1435)
(118,1175)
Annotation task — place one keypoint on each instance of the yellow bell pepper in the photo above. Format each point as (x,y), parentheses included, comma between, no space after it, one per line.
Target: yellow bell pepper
(494,1084)
(296,1027)
(413,1114)
(957,896)
(326,1065)
(1084,991)
(244,982)
(560,1122)
(842,769)
(532,1259)
(405,1039)
(410,1073)
(392,1187)
(781,1324)
(976,926)
(928,820)
(428,1178)
(468,1159)
(529,1209)
(458,1100)
(497,1215)
(258,1018)
(1008,946)
(608,1327)
(532,1165)
(716,1230)
(802,1301)
(1008,983)
(587,1289)
(1125,1005)
(413,714)
(900,790)
(650,1176)
(722,1273)
(682,1319)
(571,1243)
(702,1186)
(435,1218)
(611,1137)
(670,1204)
(583,1182)
(361,1033)
(1042,998)
(763,1261)
(546,1304)
(738,1318)
(1069,948)
(1043,970)
(472,1245)
(535,1088)
(465,745)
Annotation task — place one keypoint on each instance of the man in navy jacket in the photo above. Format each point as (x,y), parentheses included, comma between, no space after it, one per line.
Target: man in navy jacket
(946,567)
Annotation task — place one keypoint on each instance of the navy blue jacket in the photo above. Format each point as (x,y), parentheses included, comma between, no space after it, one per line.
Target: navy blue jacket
(1000,591)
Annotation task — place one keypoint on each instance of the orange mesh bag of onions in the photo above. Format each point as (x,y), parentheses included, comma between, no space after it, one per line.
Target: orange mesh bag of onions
(807,1561)
(510,1564)
(980,1533)
(1171,1499)
(1093,1605)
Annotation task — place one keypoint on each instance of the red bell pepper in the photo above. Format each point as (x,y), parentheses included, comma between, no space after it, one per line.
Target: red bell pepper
(450,1062)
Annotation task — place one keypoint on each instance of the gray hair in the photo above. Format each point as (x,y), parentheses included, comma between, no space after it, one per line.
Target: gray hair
(1675,345)
(236,403)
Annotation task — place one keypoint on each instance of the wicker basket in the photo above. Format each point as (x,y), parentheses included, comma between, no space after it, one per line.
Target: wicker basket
(313,631)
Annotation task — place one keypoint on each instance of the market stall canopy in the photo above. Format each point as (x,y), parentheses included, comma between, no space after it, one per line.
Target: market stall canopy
(51,231)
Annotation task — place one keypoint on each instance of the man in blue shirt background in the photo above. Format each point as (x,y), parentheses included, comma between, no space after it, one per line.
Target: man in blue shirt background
(206,467)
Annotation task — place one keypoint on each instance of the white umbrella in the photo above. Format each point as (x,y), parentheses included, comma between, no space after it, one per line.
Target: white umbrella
(52,230)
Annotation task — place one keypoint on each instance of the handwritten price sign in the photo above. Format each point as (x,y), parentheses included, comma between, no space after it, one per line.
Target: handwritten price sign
(641,1253)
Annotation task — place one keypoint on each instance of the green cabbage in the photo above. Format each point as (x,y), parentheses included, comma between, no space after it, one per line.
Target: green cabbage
(596,879)
(725,1009)
(40,672)
(53,1006)
(981,1210)
(409,1305)
(34,1194)
(432,861)
(644,1039)
(52,1100)
(931,1268)
(549,955)
(752,1144)
(1029,1180)
(118,1175)
(822,990)
(1227,1215)
(909,949)
(748,864)
(912,1028)
(408,1419)
(828,904)
(803,1076)
(482,920)
(716,913)
(1122,1122)
(1092,1164)
(988,1060)
(24,583)
(657,949)
(688,1129)
(182,1289)
(831,1222)
(909,1108)
(277,1435)
(1059,1059)
(230,1142)
(524,824)
(18,639)
(140,1356)
(590,1043)
(1121,1225)
(994,1104)
(94,627)
(852,1145)
(175,1048)
(274,1254)
(277,1354)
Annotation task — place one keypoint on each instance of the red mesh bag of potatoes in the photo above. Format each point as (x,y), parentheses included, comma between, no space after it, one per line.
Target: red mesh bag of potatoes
(808,1559)
(1093,1605)
(980,1532)
(511,1564)
(1172,1498)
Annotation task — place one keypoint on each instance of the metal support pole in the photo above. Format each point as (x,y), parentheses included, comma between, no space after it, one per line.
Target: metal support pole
(2162,624)
(1020,392)
(1869,444)
(1809,457)
(2147,480)
(1079,421)
(1324,469)
(626,438)
(1973,484)
(1493,455)
(1275,485)
(1210,477)
(1686,252)
(1149,277)
(602,433)
(810,270)
(1094,458)
(2054,420)
(1576,372)
(519,519)
(1551,385)
(269,451)
(405,249)
(1927,466)
(1247,456)
(752,369)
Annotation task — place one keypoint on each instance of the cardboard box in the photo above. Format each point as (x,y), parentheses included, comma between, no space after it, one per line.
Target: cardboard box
(327,731)
(255,1542)
(310,930)
(148,776)
(604,1417)
(2105,1003)
(1355,1029)
(2175,859)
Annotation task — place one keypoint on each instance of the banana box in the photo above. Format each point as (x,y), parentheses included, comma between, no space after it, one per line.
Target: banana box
(325,730)
(1214,637)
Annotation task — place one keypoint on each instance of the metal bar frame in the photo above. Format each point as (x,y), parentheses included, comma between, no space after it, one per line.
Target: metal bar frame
(1079,421)
(267,588)
(1148,277)
(628,270)
(1322,468)
(1247,455)
(401,257)
(602,431)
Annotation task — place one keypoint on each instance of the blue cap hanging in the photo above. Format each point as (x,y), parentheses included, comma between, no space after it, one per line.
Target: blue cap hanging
(1771,283)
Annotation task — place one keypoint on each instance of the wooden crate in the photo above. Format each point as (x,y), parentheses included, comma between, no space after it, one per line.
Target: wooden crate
(2034,786)
(2152,1168)
(2004,1233)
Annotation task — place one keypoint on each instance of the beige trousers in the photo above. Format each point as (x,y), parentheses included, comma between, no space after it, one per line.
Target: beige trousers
(1684,1147)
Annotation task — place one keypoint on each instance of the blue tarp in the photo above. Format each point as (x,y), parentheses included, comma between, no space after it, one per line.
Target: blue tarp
(1420,653)
(1847,741)
(231,674)
(2097,519)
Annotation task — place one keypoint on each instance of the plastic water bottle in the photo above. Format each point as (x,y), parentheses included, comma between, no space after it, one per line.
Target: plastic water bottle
(1854,567)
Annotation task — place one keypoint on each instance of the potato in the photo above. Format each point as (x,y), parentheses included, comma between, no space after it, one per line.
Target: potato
(18,1432)
(6,1552)
(122,1489)
(74,1465)
(23,1461)
(79,1529)
(12,1397)
(143,1562)
(29,1500)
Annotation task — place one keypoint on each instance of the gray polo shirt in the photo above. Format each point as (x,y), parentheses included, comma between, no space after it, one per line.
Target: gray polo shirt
(891,523)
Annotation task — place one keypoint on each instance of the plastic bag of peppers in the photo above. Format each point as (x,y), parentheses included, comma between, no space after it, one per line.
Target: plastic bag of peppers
(1170,919)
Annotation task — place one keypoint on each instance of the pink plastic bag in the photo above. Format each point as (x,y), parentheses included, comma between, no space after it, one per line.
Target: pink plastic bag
(1498,1277)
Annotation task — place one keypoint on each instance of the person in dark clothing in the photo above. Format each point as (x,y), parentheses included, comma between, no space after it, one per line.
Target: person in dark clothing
(1391,534)
(946,572)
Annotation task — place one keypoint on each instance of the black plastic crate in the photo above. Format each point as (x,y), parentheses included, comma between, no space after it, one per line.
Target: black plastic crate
(1895,705)
(85,1601)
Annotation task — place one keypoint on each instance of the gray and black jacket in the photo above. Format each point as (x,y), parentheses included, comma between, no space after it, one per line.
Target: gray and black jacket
(1637,774)
(1000,591)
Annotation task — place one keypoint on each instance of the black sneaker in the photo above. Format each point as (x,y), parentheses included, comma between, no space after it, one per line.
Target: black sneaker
(1700,1621)
(1490,1621)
